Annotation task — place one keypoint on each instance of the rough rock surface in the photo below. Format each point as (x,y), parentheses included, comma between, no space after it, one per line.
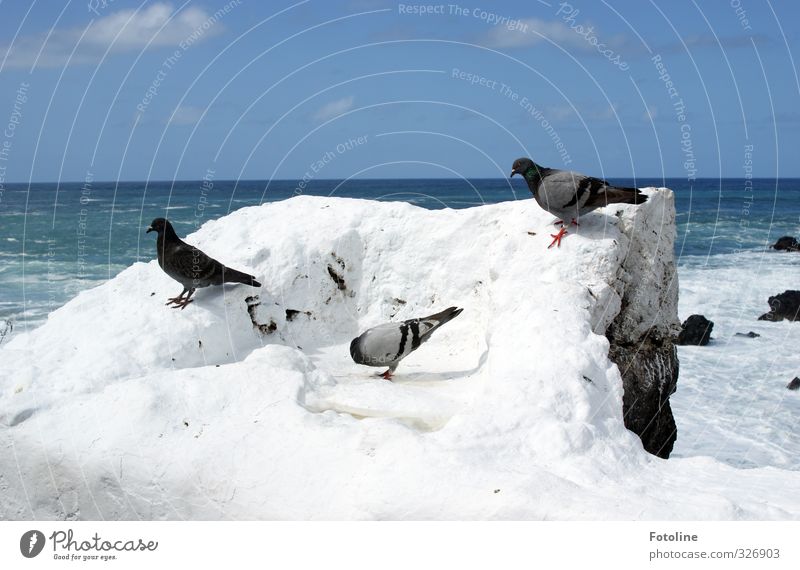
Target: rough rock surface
(642,332)
(696,330)
(784,306)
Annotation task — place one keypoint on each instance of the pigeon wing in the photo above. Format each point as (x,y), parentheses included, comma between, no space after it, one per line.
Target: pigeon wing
(382,345)
(601,194)
(564,189)
(192,267)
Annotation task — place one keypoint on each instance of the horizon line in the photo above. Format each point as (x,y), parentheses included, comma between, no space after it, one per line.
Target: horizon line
(295,180)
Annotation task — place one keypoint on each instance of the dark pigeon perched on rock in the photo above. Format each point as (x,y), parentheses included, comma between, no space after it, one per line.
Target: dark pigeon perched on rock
(695,330)
(189,266)
(568,195)
(783,306)
(388,344)
(786,243)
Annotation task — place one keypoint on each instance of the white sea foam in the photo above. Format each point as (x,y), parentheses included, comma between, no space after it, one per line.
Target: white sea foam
(732,402)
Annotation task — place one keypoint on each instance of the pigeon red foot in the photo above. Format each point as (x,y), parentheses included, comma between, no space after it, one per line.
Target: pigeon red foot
(557,238)
(180,301)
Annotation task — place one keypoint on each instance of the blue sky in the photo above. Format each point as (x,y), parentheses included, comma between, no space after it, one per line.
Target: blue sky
(256,90)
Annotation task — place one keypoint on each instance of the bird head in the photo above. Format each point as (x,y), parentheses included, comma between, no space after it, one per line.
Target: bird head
(159,225)
(521,166)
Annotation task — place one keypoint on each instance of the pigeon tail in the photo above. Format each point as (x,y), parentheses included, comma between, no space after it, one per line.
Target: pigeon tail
(444,317)
(233,276)
(615,195)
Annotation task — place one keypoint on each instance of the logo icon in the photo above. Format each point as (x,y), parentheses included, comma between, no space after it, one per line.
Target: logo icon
(31,543)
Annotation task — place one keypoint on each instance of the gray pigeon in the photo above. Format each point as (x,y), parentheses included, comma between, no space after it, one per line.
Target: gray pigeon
(388,344)
(189,266)
(568,195)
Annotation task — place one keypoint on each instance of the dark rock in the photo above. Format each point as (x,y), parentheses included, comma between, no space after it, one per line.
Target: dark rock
(253,303)
(338,279)
(649,377)
(794,384)
(783,306)
(750,334)
(292,313)
(786,243)
(643,347)
(695,330)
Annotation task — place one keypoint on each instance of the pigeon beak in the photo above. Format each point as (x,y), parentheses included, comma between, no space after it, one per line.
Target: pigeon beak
(149,229)
(513,172)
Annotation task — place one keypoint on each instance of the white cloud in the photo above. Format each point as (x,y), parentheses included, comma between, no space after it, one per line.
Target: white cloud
(334,109)
(560,112)
(529,32)
(123,31)
(186,115)
(587,111)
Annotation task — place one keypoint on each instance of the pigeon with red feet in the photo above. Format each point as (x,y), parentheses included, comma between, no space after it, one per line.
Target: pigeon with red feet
(568,195)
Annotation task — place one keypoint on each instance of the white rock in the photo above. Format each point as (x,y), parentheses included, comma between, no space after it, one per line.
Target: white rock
(119,407)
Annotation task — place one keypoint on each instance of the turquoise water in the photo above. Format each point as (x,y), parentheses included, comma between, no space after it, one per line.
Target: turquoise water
(58,239)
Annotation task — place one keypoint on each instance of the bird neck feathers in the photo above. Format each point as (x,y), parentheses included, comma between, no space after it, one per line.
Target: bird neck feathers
(533,176)
(169,233)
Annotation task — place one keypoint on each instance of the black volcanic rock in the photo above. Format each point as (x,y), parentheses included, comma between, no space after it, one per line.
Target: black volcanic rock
(695,330)
(786,243)
(794,384)
(783,306)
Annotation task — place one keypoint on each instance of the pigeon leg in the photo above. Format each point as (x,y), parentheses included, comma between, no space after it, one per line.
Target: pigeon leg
(188,299)
(575,222)
(560,222)
(557,238)
(387,375)
(177,300)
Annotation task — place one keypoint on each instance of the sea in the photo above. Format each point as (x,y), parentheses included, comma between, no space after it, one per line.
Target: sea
(57,239)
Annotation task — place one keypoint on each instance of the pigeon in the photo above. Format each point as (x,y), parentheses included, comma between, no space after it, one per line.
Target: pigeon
(189,266)
(568,195)
(388,344)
